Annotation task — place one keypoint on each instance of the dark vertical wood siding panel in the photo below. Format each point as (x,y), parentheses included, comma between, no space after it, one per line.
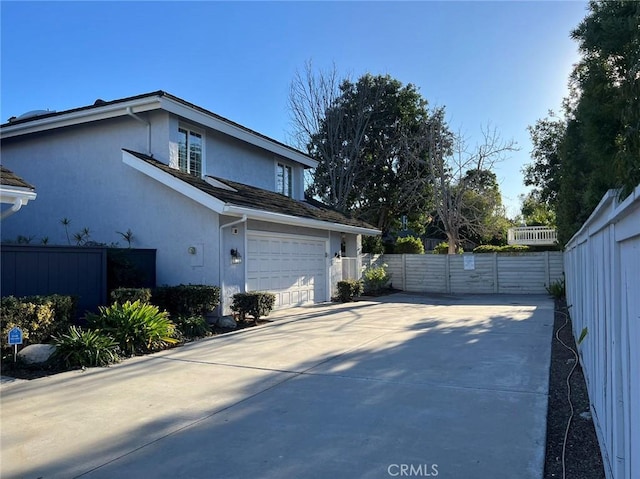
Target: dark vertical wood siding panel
(79,271)
(8,274)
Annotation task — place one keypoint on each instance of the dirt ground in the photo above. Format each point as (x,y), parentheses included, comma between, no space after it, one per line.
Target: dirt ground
(582,457)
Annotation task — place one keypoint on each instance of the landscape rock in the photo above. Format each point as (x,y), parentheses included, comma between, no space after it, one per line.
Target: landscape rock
(226,322)
(37,353)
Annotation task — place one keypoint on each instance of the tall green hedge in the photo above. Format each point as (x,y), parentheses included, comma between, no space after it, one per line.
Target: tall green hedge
(187,299)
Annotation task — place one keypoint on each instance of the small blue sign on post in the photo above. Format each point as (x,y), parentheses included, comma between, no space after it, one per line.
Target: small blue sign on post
(15,336)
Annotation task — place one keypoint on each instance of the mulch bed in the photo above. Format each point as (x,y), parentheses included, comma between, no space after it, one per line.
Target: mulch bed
(582,452)
(20,370)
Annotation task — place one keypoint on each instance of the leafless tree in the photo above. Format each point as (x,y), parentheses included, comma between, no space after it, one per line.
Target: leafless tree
(315,106)
(454,174)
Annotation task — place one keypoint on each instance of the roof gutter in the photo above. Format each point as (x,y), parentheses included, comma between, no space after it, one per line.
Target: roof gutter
(18,203)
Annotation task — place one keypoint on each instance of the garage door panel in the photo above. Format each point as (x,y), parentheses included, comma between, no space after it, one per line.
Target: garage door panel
(292,268)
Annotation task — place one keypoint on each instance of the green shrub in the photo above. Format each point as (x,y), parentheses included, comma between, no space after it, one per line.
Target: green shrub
(443,248)
(78,347)
(486,248)
(409,245)
(557,289)
(187,300)
(192,327)
(39,317)
(372,244)
(375,278)
(122,295)
(511,248)
(137,327)
(349,289)
(253,303)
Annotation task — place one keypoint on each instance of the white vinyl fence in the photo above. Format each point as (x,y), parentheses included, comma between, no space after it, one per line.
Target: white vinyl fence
(528,273)
(602,264)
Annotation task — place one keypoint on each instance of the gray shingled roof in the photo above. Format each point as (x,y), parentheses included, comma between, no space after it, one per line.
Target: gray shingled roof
(9,178)
(257,198)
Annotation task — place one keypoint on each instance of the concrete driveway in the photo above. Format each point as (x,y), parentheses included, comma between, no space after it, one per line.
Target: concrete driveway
(407,385)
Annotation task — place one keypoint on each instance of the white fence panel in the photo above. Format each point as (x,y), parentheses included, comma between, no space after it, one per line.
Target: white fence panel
(481,279)
(528,273)
(425,273)
(602,264)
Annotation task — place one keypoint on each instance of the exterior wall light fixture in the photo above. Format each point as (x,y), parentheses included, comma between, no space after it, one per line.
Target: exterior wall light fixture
(236,258)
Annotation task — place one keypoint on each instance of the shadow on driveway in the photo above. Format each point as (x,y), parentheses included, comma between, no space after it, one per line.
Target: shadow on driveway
(354,390)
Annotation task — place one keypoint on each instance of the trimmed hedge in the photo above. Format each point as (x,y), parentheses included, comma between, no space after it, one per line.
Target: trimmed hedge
(187,300)
(409,245)
(443,248)
(512,248)
(253,303)
(349,289)
(122,295)
(39,317)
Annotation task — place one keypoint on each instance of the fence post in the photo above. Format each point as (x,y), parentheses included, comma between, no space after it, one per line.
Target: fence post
(496,289)
(404,272)
(447,273)
(547,268)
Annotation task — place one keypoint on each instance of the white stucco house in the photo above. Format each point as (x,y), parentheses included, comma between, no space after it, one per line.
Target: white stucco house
(222,204)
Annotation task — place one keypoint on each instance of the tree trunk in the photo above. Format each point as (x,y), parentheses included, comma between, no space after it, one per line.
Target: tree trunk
(453,243)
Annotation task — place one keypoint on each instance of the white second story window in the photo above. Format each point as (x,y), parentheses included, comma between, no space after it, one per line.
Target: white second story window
(283,179)
(190,151)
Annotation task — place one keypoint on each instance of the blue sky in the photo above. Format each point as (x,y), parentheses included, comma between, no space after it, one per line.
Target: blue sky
(503,63)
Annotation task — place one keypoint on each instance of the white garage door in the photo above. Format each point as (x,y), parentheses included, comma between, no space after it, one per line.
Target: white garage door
(290,267)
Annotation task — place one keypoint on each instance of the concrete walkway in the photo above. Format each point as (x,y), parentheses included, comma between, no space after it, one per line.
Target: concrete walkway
(453,387)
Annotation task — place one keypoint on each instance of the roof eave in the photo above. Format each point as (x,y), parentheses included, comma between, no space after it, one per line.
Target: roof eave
(81,116)
(221,207)
(172,182)
(155,101)
(15,192)
(218,124)
(280,218)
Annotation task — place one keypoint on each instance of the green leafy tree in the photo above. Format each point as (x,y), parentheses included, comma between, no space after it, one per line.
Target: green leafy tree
(543,173)
(535,212)
(596,146)
(367,137)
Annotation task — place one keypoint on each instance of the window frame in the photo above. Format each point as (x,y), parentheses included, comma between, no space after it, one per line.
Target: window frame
(286,185)
(189,129)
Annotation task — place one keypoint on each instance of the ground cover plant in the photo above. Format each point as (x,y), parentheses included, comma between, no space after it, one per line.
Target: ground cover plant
(137,327)
(85,348)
